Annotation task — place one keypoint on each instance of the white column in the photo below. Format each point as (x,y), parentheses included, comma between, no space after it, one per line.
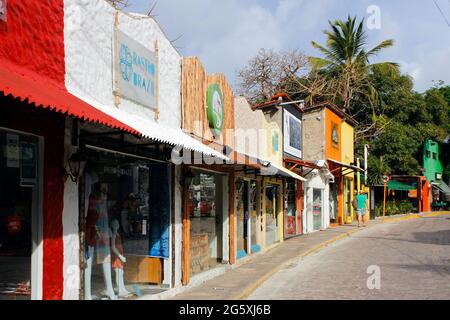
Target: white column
(71,265)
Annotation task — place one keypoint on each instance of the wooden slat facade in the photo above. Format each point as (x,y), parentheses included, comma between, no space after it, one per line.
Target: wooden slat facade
(194,87)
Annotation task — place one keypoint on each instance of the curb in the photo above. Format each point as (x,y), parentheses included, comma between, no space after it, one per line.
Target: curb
(251,288)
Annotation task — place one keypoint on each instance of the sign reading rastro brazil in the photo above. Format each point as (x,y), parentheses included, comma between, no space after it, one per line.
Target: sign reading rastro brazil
(137,71)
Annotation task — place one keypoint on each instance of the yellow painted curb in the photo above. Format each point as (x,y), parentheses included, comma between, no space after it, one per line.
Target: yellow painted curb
(388,220)
(251,288)
(437,214)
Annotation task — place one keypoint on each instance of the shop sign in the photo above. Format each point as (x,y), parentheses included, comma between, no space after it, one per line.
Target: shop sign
(137,71)
(215,109)
(3,6)
(12,151)
(335,136)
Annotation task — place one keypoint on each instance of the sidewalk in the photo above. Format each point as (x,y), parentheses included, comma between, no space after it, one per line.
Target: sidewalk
(242,280)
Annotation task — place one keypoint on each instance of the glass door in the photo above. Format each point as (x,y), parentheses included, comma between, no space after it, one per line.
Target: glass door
(271,212)
(18,203)
(317,209)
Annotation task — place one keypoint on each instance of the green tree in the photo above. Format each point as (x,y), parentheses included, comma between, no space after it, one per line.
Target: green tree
(347,59)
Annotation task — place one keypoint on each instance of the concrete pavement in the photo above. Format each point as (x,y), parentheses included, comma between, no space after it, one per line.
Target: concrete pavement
(241,281)
(411,256)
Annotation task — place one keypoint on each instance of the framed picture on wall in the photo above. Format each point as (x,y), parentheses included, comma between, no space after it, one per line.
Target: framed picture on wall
(292,134)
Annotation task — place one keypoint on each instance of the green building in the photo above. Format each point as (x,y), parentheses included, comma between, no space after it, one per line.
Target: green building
(432,161)
(434,168)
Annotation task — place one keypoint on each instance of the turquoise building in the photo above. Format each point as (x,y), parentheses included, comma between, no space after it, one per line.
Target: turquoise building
(432,161)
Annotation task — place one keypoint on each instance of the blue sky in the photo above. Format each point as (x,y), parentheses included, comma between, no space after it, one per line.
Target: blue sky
(225,34)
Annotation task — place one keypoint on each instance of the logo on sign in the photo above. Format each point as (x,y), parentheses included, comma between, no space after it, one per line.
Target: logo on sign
(215,109)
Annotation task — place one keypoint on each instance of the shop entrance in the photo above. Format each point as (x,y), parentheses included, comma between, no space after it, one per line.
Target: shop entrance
(272,208)
(205,213)
(246,217)
(291,208)
(348,218)
(19,215)
(317,209)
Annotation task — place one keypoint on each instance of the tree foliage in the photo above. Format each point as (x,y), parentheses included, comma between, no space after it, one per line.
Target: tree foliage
(393,119)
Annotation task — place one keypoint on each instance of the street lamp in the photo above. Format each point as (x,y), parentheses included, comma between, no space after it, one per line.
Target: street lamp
(75,163)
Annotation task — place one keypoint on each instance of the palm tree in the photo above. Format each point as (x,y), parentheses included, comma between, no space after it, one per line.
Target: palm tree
(347,61)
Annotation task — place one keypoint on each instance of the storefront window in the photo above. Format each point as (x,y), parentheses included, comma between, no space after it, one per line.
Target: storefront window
(206,224)
(271,211)
(291,207)
(18,205)
(127,216)
(317,208)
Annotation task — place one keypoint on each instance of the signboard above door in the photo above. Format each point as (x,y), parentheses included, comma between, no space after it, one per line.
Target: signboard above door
(137,71)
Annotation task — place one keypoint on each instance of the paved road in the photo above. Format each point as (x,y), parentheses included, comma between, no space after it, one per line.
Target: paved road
(413,259)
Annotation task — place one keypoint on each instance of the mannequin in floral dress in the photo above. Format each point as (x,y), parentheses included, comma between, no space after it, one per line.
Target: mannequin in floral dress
(118,258)
(98,236)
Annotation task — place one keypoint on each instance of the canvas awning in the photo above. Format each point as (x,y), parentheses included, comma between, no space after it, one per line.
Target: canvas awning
(274,169)
(400,186)
(443,187)
(346,166)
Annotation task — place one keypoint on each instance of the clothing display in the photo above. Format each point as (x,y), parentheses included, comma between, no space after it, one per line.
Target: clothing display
(116,262)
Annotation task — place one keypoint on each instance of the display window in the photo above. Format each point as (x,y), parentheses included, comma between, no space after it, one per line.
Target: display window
(205,223)
(126,210)
(272,207)
(18,212)
(291,207)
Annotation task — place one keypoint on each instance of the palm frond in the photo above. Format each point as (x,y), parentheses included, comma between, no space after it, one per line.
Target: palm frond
(383,45)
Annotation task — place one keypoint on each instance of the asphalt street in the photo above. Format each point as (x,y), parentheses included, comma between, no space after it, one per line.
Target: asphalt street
(399,260)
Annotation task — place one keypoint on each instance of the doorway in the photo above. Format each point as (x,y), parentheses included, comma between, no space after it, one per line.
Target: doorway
(19,215)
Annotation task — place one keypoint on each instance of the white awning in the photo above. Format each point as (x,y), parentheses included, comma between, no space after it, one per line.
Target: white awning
(274,169)
(153,130)
(172,136)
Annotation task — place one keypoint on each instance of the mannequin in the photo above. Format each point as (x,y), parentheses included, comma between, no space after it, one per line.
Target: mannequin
(118,258)
(98,237)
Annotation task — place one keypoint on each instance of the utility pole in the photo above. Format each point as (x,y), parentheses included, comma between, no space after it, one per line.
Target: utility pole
(366,169)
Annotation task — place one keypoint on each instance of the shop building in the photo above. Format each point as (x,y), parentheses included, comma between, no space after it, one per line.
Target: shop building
(329,138)
(433,170)
(96,192)
(209,187)
(282,198)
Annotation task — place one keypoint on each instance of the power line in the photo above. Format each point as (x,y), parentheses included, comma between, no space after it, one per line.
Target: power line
(442,12)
